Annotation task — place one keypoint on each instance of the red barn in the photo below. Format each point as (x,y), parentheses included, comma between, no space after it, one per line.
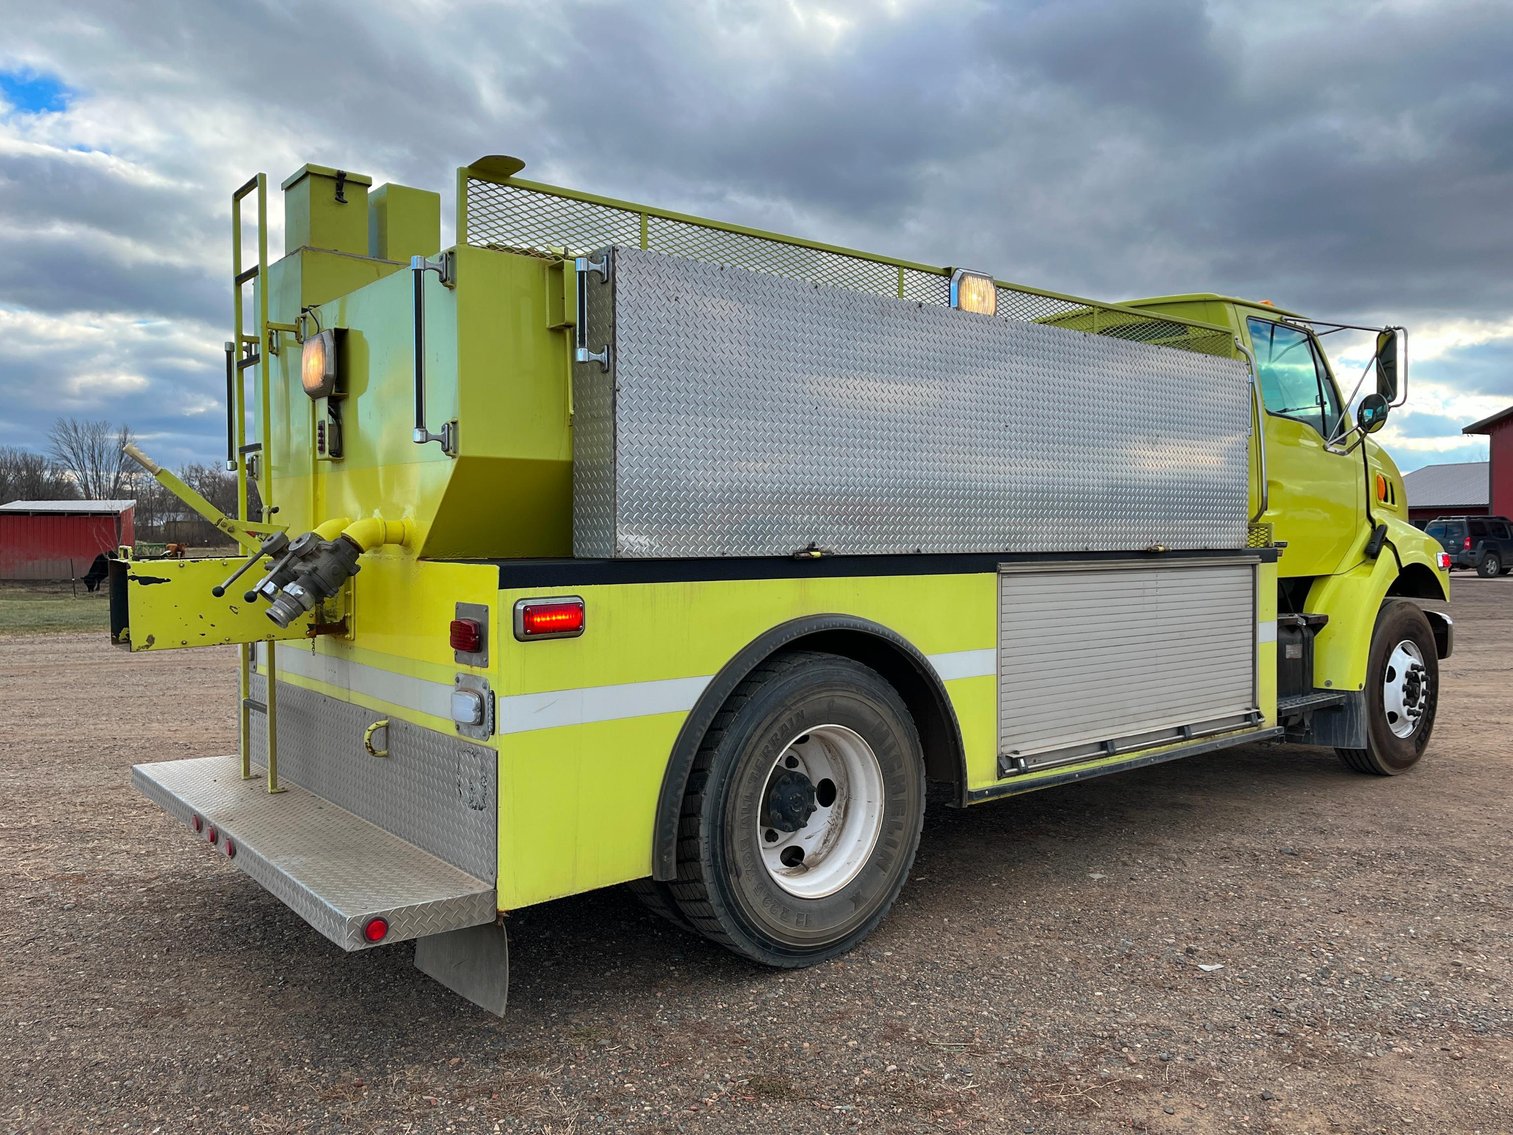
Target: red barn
(60,539)
(1499,429)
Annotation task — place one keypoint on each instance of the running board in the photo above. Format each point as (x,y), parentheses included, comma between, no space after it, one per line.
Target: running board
(335,870)
(1049,778)
(1302,703)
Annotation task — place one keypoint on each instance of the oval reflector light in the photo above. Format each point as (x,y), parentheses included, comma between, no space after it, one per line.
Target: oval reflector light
(196,823)
(229,847)
(549,618)
(376,929)
(212,835)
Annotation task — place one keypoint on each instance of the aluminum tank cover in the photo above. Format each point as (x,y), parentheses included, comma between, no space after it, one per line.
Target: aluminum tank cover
(742,414)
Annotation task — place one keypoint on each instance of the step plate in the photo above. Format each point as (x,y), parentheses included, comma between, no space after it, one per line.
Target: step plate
(335,870)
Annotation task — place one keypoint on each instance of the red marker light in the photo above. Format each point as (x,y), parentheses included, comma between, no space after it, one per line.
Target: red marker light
(549,618)
(212,835)
(376,929)
(467,636)
(229,847)
(196,823)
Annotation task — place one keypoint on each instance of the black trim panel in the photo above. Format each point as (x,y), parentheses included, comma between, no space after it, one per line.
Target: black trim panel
(1011,788)
(583,573)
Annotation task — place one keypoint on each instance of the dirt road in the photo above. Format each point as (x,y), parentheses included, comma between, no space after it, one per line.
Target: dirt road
(1256,940)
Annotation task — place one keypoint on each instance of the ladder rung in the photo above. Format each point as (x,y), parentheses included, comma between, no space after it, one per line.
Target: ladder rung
(249,361)
(254,705)
(249,274)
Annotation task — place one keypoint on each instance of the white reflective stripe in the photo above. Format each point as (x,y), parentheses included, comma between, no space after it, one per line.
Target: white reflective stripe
(1266,632)
(434,698)
(965,664)
(525,712)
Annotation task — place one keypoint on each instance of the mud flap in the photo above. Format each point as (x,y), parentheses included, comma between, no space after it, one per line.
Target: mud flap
(473,962)
(1340,726)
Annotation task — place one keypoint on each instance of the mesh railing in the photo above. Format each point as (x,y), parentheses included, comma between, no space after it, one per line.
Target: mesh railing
(537,221)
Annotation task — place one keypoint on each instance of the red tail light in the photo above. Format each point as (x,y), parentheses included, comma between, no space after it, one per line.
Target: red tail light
(467,636)
(1467,545)
(549,618)
(376,929)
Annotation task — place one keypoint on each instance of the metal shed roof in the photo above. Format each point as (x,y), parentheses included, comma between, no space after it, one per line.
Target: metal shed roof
(85,507)
(1434,486)
(1486,425)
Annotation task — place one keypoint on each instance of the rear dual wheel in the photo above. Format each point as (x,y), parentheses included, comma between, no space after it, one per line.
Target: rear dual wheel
(802,813)
(1402,692)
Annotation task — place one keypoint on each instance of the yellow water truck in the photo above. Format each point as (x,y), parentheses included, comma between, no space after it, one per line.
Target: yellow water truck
(614,545)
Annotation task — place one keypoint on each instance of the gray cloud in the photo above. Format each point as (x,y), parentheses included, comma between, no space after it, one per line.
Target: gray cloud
(1352,159)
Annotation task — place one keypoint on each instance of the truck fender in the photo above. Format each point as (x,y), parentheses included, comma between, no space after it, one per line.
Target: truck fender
(872,644)
(1352,599)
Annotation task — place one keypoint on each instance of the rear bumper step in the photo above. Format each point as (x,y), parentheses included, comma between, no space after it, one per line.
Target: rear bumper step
(333,869)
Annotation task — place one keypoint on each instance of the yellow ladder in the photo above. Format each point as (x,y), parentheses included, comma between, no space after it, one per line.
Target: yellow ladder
(248,352)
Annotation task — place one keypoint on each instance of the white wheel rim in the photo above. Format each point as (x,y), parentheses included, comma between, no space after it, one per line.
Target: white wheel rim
(1405,689)
(836,839)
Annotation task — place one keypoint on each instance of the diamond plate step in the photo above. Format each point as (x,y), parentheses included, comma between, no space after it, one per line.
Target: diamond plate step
(335,870)
(1316,700)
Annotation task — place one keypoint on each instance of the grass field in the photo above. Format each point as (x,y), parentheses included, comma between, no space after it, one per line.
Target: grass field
(30,608)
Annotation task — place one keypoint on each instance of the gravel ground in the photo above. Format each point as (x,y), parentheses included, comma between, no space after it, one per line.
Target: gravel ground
(1256,940)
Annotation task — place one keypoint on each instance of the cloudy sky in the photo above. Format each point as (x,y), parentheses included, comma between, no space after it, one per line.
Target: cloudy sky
(1347,158)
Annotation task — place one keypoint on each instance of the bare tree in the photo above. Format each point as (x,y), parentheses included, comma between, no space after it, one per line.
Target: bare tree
(28,476)
(90,453)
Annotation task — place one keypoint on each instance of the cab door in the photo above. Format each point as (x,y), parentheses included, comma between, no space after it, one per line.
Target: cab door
(1317,493)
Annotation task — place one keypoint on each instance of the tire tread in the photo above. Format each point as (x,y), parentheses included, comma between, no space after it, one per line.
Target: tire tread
(696,898)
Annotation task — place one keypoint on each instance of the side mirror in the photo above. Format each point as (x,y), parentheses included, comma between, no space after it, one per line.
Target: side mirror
(1388,366)
(1371,414)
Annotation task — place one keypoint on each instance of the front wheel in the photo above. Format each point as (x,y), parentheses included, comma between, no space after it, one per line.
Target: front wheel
(1402,692)
(1491,565)
(803,811)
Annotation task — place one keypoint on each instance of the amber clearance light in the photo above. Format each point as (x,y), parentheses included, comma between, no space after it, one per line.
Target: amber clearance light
(317,365)
(974,291)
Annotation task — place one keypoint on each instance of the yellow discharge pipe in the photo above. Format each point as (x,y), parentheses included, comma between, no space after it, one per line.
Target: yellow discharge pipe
(373,532)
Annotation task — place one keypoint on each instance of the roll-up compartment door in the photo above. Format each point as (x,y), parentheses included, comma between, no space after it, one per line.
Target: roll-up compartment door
(1100,659)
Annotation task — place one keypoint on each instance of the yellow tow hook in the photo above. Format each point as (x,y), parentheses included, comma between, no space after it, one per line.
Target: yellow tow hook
(367,738)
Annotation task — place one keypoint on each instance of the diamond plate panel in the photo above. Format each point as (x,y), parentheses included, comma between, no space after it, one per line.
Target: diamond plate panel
(335,870)
(594,423)
(749,415)
(435,791)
